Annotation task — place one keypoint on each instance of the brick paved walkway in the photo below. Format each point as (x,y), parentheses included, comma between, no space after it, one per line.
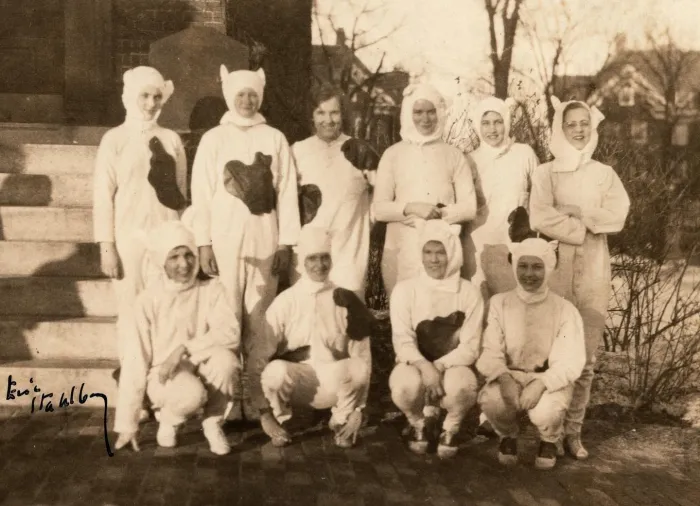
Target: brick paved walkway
(60,458)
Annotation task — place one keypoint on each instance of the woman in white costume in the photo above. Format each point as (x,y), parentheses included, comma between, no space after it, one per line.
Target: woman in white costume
(436,320)
(244,194)
(140,182)
(533,352)
(578,201)
(334,174)
(420,178)
(181,347)
(503,168)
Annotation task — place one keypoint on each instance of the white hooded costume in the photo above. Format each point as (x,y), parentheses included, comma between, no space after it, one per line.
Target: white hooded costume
(335,372)
(583,275)
(244,191)
(344,209)
(438,320)
(195,314)
(126,204)
(531,335)
(419,169)
(503,183)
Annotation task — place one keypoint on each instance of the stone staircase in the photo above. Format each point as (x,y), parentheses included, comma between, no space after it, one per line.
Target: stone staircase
(56,308)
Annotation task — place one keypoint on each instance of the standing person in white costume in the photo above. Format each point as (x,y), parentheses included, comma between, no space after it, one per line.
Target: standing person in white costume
(503,168)
(420,178)
(244,194)
(578,201)
(140,182)
(334,177)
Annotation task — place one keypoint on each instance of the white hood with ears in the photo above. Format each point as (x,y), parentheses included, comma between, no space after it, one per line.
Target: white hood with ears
(232,84)
(567,157)
(412,94)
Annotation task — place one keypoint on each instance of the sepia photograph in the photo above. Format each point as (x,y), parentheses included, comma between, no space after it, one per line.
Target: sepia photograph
(350,252)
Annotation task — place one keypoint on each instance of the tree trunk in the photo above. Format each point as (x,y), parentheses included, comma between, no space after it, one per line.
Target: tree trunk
(284,28)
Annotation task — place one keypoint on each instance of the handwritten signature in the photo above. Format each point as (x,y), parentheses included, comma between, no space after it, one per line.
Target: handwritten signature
(46,401)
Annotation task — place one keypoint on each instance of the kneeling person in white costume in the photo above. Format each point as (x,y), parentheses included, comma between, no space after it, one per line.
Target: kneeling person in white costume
(436,320)
(322,357)
(533,352)
(181,347)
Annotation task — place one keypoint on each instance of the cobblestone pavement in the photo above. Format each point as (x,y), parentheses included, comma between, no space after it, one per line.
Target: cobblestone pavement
(61,458)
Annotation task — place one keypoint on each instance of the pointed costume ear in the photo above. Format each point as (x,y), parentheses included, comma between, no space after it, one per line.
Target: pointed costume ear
(510,102)
(596,116)
(261,75)
(556,103)
(126,77)
(223,73)
(168,90)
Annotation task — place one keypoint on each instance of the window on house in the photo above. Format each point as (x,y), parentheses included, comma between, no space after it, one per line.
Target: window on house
(639,131)
(680,135)
(625,96)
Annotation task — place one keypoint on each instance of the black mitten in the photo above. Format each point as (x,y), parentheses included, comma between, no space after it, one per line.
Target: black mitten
(252,184)
(361,321)
(436,337)
(519,226)
(162,176)
(310,200)
(360,154)
(298,355)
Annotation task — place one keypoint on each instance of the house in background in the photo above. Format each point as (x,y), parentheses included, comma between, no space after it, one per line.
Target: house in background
(374,97)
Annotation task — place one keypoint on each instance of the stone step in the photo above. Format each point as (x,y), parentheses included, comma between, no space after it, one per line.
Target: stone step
(26,258)
(45,224)
(47,158)
(16,134)
(58,376)
(57,190)
(27,337)
(58,296)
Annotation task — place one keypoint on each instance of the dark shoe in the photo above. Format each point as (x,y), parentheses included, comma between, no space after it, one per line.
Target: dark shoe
(418,440)
(508,451)
(547,455)
(447,446)
(486,430)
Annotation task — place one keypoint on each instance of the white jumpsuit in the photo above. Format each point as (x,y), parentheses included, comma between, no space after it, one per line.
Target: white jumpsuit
(583,274)
(344,209)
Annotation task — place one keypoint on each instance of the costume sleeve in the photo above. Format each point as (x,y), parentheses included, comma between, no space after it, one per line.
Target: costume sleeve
(138,356)
(493,362)
(545,218)
(610,217)
(403,335)
(467,351)
(104,190)
(529,165)
(362,350)
(180,166)
(222,329)
(384,207)
(568,354)
(287,196)
(203,187)
(465,206)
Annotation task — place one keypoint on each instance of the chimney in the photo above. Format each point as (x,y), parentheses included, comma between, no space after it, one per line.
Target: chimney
(340,37)
(620,43)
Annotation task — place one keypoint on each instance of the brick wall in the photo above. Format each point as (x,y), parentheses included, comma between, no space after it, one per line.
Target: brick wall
(138,23)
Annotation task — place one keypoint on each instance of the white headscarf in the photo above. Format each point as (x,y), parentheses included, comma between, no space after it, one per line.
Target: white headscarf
(312,241)
(501,107)
(566,157)
(412,94)
(163,239)
(545,251)
(231,84)
(440,231)
(135,80)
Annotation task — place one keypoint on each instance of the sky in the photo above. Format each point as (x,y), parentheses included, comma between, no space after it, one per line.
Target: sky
(446,42)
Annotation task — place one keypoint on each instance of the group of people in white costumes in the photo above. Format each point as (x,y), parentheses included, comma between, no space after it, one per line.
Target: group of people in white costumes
(231,347)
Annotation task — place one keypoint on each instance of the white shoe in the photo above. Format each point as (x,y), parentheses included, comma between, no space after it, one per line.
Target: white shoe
(166,436)
(218,444)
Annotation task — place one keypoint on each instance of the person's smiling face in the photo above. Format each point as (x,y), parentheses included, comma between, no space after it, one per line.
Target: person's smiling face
(435,259)
(318,266)
(180,264)
(493,128)
(577,127)
(425,117)
(530,271)
(247,102)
